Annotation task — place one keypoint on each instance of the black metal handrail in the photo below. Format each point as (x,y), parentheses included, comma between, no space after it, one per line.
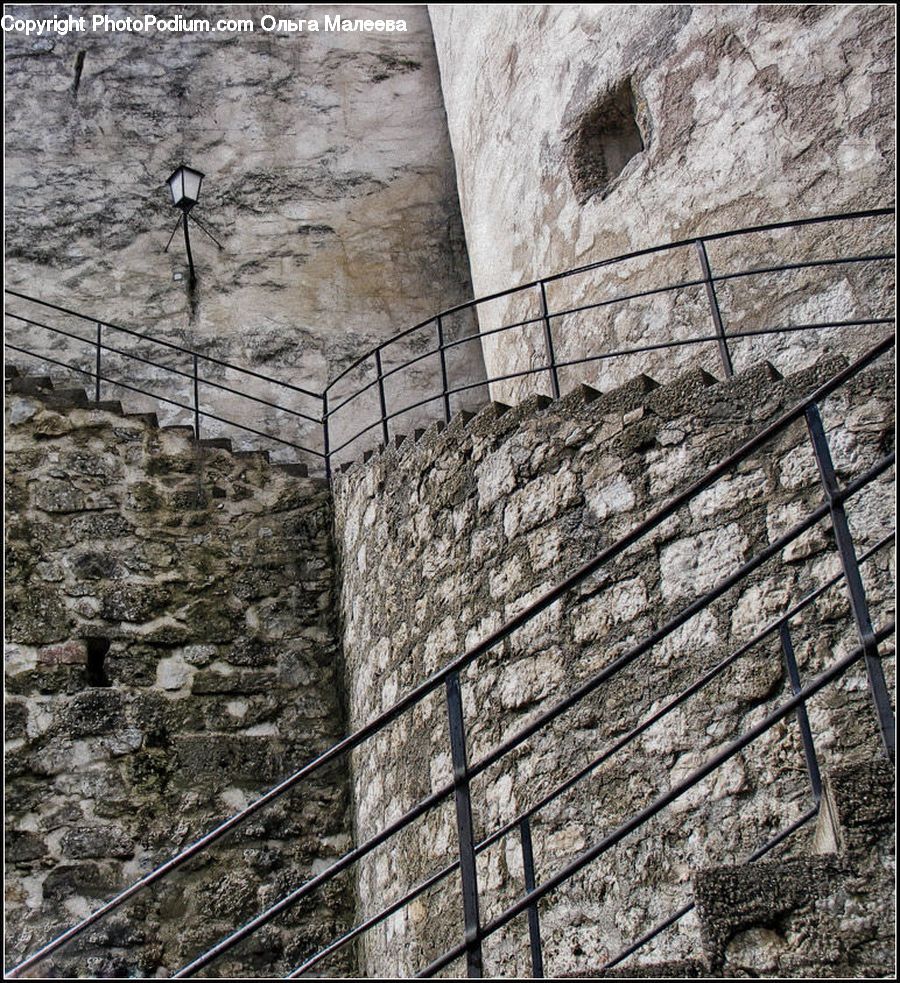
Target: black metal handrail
(194,378)
(832,507)
(551,367)
(103,347)
(386,417)
(637,295)
(328,402)
(166,344)
(618,745)
(620,258)
(530,898)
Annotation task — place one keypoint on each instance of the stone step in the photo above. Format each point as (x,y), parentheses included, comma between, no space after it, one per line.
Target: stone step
(290,467)
(576,399)
(180,430)
(67,397)
(640,396)
(261,455)
(826,915)
(23,383)
(859,808)
(215,443)
(114,406)
(150,419)
(484,419)
(460,420)
(680,396)
(432,429)
(28,384)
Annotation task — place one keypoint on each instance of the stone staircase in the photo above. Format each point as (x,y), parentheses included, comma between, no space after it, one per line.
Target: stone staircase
(638,397)
(828,914)
(64,396)
(641,398)
(498,470)
(776,918)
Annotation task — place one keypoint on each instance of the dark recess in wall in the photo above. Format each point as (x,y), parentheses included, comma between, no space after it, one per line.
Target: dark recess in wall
(602,142)
(97,648)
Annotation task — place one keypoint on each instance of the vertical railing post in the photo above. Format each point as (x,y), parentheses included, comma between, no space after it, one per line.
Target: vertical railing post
(384,422)
(444,379)
(534,925)
(326,445)
(97,389)
(196,400)
(809,750)
(464,828)
(853,579)
(724,354)
(548,344)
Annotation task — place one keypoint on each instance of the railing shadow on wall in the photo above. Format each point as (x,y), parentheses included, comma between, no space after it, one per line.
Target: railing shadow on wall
(812,283)
(867,648)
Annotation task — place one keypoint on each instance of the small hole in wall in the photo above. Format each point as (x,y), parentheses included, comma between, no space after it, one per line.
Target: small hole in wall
(97,647)
(602,142)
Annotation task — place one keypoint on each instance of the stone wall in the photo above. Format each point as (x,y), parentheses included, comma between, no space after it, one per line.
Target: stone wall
(174,648)
(582,131)
(443,540)
(171,654)
(329,182)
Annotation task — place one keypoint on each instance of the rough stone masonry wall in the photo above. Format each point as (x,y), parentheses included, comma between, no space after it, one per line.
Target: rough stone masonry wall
(329,182)
(208,576)
(443,540)
(746,114)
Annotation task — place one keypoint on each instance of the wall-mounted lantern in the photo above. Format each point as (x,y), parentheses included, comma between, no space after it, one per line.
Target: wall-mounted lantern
(184,183)
(185,187)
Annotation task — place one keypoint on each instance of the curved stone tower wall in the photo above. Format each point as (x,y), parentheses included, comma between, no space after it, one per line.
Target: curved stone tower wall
(443,540)
(584,131)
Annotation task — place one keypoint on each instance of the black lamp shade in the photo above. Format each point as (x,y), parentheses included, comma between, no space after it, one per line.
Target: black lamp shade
(185,186)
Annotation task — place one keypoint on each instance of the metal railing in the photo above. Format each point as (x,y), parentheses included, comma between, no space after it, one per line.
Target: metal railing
(199,372)
(836,499)
(317,428)
(546,316)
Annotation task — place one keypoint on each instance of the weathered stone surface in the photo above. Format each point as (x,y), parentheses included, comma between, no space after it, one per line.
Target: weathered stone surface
(745,115)
(329,183)
(825,916)
(210,577)
(146,701)
(100,841)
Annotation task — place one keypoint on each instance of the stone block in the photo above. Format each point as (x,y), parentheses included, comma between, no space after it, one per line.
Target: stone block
(97,842)
(95,712)
(22,846)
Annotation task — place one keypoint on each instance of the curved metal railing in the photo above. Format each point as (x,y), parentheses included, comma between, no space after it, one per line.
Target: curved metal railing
(546,315)
(381,390)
